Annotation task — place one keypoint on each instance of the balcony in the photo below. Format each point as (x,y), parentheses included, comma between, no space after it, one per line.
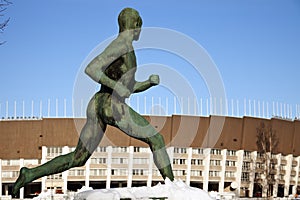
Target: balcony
(98,174)
(215,168)
(216,157)
(274,161)
(246,169)
(231,155)
(283,161)
(273,171)
(245,181)
(230,179)
(197,167)
(247,156)
(293,173)
(292,182)
(258,180)
(282,172)
(231,168)
(294,163)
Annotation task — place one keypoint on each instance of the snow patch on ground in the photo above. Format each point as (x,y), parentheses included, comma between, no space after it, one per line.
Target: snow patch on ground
(176,190)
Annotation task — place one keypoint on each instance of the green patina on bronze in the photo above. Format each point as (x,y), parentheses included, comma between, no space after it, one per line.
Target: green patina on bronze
(115,70)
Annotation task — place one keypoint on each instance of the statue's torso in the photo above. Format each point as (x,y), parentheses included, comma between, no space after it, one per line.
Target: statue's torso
(123,70)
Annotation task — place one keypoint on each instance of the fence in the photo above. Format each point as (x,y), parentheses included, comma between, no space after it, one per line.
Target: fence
(64,197)
(154,106)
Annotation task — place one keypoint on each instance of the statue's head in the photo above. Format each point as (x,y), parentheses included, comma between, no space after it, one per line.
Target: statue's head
(129,19)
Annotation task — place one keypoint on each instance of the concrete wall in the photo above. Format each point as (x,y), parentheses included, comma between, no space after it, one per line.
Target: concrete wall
(20,139)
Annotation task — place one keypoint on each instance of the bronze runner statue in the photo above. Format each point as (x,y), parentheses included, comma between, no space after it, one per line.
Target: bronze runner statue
(115,70)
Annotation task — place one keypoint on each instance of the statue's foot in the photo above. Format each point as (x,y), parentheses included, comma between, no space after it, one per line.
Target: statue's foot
(21,181)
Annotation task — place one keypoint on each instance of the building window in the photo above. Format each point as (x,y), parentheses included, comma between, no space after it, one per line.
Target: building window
(10,162)
(119,160)
(71,172)
(123,160)
(247,154)
(76,172)
(54,151)
(230,163)
(138,172)
(257,176)
(141,161)
(179,150)
(98,160)
(231,153)
(214,173)
(246,165)
(100,149)
(229,174)
(260,165)
(196,173)
(6,175)
(260,155)
(179,172)
(123,172)
(215,152)
(55,176)
(72,149)
(80,172)
(282,167)
(31,162)
(98,172)
(215,162)
(197,162)
(197,151)
(281,177)
(136,149)
(10,174)
(144,150)
(120,149)
(273,166)
(135,172)
(179,161)
(245,177)
(273,156)
(119,172)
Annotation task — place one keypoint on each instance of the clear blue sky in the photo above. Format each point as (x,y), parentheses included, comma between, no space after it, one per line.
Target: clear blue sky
(254,43)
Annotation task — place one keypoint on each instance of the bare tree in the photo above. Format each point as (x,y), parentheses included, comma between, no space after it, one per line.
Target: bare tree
(267,143)
(3,7)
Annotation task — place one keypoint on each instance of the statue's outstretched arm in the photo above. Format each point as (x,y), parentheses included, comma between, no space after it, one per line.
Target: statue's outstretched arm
(145,85)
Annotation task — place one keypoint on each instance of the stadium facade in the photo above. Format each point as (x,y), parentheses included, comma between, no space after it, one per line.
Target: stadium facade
(206,152)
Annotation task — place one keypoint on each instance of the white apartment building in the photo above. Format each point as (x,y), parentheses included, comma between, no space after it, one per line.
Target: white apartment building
(209,169)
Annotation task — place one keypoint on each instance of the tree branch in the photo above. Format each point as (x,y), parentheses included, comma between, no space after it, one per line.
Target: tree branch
(3,7)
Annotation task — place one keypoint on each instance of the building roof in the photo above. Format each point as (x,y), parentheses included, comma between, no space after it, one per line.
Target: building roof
(22,138)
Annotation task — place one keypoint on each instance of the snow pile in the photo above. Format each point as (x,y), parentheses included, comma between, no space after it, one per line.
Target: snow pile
(48,194)
(43,195)
(176,190)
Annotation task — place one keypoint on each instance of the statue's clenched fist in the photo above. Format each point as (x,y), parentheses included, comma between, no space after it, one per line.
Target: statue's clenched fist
(154,79)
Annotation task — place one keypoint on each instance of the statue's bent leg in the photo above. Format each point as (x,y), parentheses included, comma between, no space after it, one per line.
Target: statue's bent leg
(134,125)
(90,137)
